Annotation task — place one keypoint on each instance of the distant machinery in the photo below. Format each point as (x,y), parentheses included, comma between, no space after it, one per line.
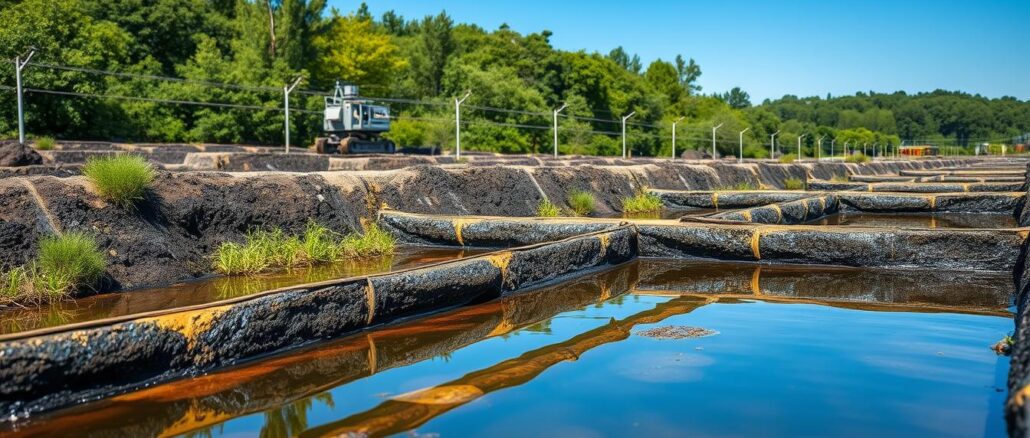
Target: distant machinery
(353,126)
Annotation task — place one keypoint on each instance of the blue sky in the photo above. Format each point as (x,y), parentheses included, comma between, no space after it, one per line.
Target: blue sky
(787,47)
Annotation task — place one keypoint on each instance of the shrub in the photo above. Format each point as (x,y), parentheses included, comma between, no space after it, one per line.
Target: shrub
(643,202)
(547,209)
(789,158)
(856,158)
(793,184)
(581,202)
(122,179)
(67,263)
(45,143)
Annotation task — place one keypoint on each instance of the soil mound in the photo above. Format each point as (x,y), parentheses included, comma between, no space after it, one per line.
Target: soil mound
(13,154)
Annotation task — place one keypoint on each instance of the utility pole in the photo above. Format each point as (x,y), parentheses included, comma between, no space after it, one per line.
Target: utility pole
(563,105)
(799,145)
(286,108)
(19,65)
(740,159)
(713,137)
(772,145)
(819,148)
(624,118)
(457,123)
(674,137)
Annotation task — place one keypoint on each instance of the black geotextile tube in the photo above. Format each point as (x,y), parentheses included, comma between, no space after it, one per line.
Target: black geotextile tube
(47,369)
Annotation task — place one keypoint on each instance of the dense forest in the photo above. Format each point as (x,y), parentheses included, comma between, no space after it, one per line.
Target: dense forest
(136,70)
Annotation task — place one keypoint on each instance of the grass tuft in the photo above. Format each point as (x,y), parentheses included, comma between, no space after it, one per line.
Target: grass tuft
(270,250)
(643,202)
(581,202)
(857,158)
(122,179)
(13,283)
(65,264)
(839,179)
(787,159)
(45,143)
(793,184)
(547,209)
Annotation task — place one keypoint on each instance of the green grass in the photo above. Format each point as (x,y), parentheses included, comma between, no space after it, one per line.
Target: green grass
(839,179)
(65,264)
(45,143)
(789,158)
(265,251)
(547,209)
(122,179)
(13,283)
(643,202)
(581,202)
(857,158)
(793,184)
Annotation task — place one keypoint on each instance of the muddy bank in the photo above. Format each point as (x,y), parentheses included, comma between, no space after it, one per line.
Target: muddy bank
(47,369)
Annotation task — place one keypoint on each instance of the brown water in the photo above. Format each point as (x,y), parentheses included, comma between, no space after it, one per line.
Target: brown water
(206,290)
(920,220)
(794,355)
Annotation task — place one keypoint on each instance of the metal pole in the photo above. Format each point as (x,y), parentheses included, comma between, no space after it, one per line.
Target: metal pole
(556,128)
(624,118)
(772,145)
(713,138)
(799,145)
(819,148)
(18,66)
(457,123)
(832,142)
(740,159)
(846,148)
(674,137)
(286,107)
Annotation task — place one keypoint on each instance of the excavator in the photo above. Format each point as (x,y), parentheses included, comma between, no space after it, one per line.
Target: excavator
(353,126)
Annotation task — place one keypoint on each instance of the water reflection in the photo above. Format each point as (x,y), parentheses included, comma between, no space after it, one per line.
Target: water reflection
(17,319)
(519,342)
(920,220)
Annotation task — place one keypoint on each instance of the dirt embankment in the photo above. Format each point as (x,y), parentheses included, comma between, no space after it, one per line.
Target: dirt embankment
(187,214)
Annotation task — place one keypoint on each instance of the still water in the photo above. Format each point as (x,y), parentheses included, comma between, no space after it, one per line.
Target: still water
(791,357)
(16,319)
(920,220)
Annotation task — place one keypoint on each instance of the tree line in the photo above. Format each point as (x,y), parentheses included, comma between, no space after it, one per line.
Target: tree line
(515,80)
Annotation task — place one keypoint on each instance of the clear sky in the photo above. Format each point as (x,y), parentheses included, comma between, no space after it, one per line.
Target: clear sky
(772,48)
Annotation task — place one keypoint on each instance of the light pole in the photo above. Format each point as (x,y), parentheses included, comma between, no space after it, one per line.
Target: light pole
(799,145)
(713,137)
(832,142)
(286,108)
(819,148)
(674,137)
(772,145)
(19,65)
(741,158)
(624,118)
(457,122)
(563,105)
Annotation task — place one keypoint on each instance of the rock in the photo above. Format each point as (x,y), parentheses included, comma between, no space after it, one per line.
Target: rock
(13,154)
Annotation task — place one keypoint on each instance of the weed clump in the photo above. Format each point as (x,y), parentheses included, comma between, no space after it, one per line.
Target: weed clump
(793,184)
(839,179)
(857,157)
(270,250)
(643,202)
(122,179)
(788,158)
(64,264)
(547,209)
(45,143)
(581,202)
